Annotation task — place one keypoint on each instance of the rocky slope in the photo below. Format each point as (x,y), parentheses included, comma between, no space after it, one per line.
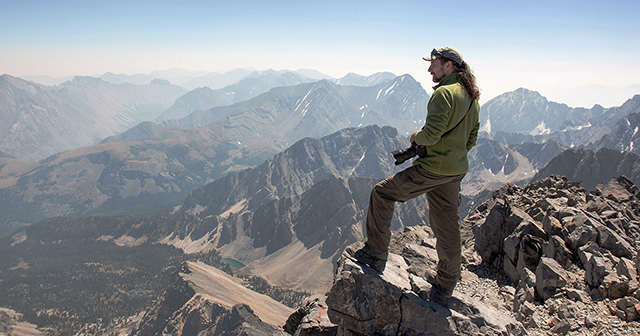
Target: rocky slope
(352,79)
(526,116)
(114,178)
(570,255)
(203,300)
(146,177)
(38,121)
(252,85)
(592,168)
(622,137)
(550,258)
(491,164)
(286,114)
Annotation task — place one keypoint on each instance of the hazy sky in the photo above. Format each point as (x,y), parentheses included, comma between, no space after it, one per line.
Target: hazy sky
(574,52)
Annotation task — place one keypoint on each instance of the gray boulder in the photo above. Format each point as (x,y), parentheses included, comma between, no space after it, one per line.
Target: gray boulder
(613,242)
(311,320)
(500,222)
(365,302)
(556,249)
(525,291)
(550,278)
(595,271)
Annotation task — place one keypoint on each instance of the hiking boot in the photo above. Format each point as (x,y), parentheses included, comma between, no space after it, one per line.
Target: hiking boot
(362,256)
(438,293)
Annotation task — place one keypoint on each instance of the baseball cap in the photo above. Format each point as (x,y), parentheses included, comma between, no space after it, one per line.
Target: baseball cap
(446,52)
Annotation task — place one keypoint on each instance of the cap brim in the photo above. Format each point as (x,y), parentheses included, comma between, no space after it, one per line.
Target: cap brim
(429,58)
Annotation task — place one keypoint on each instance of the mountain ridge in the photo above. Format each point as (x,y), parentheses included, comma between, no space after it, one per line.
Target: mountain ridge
(38,121)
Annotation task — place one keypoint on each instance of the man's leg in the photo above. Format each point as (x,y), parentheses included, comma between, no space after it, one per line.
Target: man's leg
(401,187)
(444,221)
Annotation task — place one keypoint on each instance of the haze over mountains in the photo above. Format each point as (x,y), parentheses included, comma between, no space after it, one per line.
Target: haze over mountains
(272,170)
(38,121)
(156,165)
(120,177)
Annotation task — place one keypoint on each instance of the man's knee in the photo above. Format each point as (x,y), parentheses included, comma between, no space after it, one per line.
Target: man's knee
(383,189)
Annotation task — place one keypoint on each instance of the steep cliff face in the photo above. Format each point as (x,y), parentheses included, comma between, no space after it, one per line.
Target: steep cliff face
(592,168)
(206,301)
(525,116)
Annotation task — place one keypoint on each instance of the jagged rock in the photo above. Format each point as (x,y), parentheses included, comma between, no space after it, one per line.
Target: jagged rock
(586,251)
(501,221)
(562,328)
(365,302)
(550,277)
(615,286)
(626,268)
(526,289)
(556,249)
(420,258)
(578,295)
(578,230)
(620,189)
(311,320)
(613,242)
(241,321)
(510,269)
(628,307)
(552,225)
(595,271)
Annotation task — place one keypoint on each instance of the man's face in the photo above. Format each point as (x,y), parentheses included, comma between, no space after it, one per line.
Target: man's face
(437,70)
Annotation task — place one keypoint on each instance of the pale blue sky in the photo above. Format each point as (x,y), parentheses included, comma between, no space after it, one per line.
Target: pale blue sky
(573,52)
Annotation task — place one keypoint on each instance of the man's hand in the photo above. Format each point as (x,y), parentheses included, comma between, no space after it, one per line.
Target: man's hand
(411,138)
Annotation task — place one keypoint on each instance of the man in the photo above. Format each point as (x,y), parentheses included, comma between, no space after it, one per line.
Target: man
(450,131)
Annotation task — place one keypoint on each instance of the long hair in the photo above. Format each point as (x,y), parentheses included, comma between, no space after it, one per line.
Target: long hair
(467,79)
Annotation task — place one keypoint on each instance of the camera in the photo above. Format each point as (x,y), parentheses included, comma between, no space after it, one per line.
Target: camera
(402,155)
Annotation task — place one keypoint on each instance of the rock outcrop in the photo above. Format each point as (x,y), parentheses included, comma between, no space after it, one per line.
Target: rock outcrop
(203,300)
(549,258)
(365,302)
(311,320)
(571,255)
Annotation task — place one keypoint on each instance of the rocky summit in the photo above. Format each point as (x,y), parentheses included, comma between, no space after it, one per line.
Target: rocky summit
(396,302)
(547,259)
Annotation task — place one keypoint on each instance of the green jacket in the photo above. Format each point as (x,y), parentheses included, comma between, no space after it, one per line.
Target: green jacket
(447,144)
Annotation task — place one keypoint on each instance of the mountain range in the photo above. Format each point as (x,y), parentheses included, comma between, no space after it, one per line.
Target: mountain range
(163,164)
(249,87)
(38,121)
(294,213)
(524,116)
(277,181)
(152,167)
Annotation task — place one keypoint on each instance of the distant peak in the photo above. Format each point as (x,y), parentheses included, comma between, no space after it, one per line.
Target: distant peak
(159,81)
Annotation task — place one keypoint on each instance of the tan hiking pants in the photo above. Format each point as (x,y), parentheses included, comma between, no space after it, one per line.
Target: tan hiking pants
(444,199)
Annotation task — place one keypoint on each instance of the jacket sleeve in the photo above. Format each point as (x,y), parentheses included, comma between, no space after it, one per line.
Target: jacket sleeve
(473,135)
(438,110)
